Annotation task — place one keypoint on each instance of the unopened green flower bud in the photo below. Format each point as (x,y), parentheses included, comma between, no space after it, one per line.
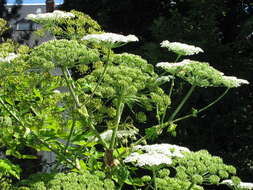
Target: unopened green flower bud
(197,179)
(223,174)
(146,178)
(164,173)
(236,180)
(214,179)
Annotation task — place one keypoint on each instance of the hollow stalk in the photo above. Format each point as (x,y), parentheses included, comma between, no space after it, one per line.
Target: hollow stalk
(120,107)
(182,103)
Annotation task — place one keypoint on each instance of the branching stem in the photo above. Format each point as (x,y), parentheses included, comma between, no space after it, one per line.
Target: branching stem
(154,179)
(189,188)
(70,133)
(182,103)
(204,108)
(70,85)
(102,74)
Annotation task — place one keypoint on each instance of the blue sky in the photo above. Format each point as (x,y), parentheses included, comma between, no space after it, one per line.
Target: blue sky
(32,2)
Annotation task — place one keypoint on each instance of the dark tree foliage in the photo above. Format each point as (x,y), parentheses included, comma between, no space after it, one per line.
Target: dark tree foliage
(119,16)
(7,15)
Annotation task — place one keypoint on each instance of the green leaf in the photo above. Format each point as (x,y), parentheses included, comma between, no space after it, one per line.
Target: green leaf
(9,101)
(37,94)
(83,111)
(8,168)
(28,157)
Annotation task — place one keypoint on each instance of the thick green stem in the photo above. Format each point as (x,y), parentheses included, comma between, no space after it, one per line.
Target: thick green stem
(166,107)
(192,184)
(102,74)
(170,92)
(70,134)
(69,82)
(10,112)
(177,58)
(97,134)
(182,103)
(154,179)
(120,108)
(171,86)
(204,108)
(78,105)
(173,80)
(99,137)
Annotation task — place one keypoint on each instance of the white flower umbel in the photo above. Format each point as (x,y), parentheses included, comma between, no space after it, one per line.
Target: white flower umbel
(180,48)
(178,64)
(156,154)
(8,58)
(237,82)
(165,149)
(201,74)
(244,185)
(50,16)
(148,159)
(110,40)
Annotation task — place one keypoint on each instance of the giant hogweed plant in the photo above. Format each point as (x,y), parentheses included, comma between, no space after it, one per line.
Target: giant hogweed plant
(90,123)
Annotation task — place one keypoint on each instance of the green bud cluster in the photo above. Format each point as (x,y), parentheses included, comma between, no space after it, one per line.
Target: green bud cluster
(72,28)
(169,183)
(201,167)
(70,181)
(134,61)
(68,53)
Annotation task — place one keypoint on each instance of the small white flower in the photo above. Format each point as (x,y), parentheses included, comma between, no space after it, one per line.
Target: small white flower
(178,64)
(148,159)
(244,185)
(8,58)
(180,48)
(107,135)
(164,78)
(237,82)
(56,91)
(111,40)
(50,16)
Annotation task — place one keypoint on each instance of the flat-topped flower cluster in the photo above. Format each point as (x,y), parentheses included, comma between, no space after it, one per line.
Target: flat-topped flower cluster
(155,155)
(180,48)
(201,74)
(50,16)
(111,40)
